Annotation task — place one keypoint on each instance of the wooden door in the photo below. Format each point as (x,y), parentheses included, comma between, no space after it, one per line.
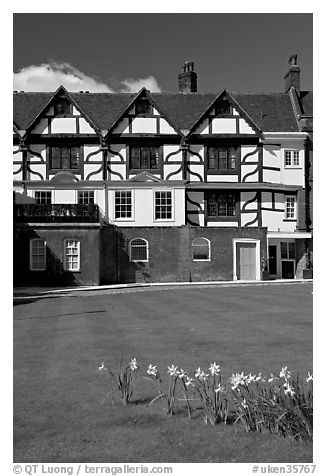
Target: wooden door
(246,261)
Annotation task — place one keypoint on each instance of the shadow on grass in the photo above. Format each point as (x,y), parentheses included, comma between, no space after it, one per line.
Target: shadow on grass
(21,300)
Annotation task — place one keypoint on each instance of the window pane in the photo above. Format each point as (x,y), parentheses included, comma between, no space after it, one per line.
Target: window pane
(74,154)
(284,250)
(291,250)
(135,158)
(144,158)
(123,204)
(163,205)
(154,158)
(138,250)
(222,159)
(200,249)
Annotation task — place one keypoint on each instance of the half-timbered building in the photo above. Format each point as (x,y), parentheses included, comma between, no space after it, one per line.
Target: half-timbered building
(153,187)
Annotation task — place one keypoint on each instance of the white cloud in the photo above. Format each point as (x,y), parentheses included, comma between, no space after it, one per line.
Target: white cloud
(134,85)
(48,77)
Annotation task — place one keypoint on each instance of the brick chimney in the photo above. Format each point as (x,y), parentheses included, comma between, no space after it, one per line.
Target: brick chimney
(187,79)
(292,77)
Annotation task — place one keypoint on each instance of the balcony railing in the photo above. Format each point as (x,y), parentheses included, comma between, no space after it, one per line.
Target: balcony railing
(69,213)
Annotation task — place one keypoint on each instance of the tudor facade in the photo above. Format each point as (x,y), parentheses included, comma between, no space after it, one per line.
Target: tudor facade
(162,187)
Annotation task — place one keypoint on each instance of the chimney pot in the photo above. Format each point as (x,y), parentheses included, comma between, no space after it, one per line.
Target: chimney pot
(292,77)
(187,78)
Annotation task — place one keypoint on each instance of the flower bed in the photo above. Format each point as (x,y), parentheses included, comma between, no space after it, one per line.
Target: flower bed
(281,404)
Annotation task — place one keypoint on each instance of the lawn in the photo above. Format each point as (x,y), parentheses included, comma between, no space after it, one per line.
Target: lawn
(59,343)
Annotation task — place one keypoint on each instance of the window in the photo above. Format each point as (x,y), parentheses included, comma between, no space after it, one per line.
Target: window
(290,208)
(144,158)
(291,158)
(62,107)
(71,255)
(223,108)
(201,249)
(143,106)
(221,204)
(85,197)
(64,158)
(43,197)
(139,250)
(287,250)
(123,204)
(37,255)
(163,205)
(222,159)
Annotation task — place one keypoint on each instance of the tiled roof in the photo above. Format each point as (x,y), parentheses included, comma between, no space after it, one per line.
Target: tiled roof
(270,112)
(306,98)
(27,106)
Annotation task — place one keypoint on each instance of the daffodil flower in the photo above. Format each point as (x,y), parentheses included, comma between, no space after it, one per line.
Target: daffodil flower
(173,370)
(133,364)
(152,370)
(189,381)
(214,369)
(310,378)
(219,389)
(251,378)
(285,373)
(288,389)
(200,374)
(237,379)
(102,367)
(272,378)
(182,373)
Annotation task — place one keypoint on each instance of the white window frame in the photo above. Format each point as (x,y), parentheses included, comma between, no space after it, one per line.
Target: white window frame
(65,255)
(291,198)
(45,191)
(172,205)
(147,251)
(31,267)
(132,218)
(194,245)
(293,158)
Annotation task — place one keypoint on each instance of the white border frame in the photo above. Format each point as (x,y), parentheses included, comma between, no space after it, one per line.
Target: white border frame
(147,251)
(163,220)
(30,254)
(132,218)
(235,241)
(64,255)
(209,249)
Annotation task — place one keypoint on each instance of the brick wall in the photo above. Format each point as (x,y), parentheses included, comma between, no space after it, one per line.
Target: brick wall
(55,275)
(170,253)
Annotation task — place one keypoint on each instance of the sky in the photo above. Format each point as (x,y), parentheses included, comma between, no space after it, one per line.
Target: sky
(111,52)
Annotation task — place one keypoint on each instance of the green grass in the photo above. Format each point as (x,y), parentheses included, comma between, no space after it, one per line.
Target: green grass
(60,342)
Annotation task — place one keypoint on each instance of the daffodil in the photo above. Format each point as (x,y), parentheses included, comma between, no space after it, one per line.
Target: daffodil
(182,373)
(219,389)
(200,374)
(133,364)
(189,381)
(152,370)
(214,369)
(237,379)
(173,370)
(285,373)
(251,378)
(310,378)
(288,389)
(272,378)
(102,367)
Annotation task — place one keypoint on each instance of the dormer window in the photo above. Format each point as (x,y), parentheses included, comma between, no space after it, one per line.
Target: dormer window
(223,108)
(143,106)
(62,107)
